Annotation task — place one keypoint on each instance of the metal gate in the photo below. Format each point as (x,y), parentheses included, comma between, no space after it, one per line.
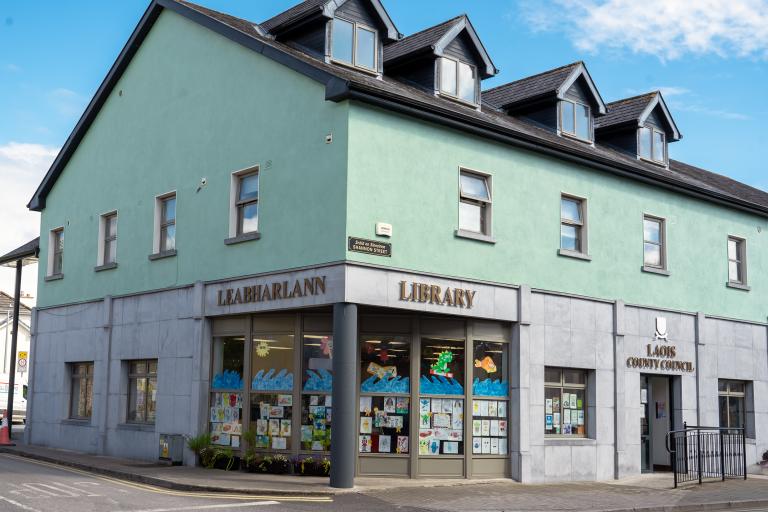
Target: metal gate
(700,453)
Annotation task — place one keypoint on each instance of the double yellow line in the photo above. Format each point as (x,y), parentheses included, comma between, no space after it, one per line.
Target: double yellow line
(171,492)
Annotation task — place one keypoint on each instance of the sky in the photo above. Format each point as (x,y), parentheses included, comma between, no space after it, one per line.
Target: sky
(708,57)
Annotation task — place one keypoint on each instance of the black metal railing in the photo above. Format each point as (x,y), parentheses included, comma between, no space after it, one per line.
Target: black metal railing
(700,453)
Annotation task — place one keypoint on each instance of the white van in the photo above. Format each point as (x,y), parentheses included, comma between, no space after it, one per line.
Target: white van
(19,397)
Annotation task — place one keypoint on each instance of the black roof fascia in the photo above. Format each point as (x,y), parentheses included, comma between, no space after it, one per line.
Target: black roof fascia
(37,203)
(30,249)
(346,90)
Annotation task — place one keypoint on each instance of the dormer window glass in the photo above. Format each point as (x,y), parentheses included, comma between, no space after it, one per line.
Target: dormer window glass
(575,120)
(353,44)
(652,145)
(458,79)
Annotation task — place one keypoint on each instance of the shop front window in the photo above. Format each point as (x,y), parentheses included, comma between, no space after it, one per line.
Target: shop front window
(441,400)
(317,386)
(228,357)
(565,402)
(384,394)
(490,431)
(226,415)
(271,397)
(142,391)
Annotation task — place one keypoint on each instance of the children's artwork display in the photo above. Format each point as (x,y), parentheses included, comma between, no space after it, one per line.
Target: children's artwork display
(442,367)
(316,423)
(317,353)
(384,421)
(272,421)
(564,411)
(385,364)
(490,369)
(441,426)
(490,427)
(225,420)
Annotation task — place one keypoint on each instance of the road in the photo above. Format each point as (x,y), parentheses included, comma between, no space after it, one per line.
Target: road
(33,486)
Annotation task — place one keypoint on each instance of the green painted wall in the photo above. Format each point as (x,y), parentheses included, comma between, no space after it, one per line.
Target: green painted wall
(196,105)
(405,172)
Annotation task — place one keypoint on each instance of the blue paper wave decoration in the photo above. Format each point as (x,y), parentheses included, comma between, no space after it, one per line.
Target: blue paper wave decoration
(283,381)
(321,380)
(489,387)
(396,384)
(439,385)
(229,379)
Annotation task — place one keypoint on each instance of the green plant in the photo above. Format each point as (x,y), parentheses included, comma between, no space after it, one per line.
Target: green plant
(228,455)
(208,456)
(198,443)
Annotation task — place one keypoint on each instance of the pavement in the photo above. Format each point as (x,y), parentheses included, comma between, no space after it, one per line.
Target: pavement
(647,493)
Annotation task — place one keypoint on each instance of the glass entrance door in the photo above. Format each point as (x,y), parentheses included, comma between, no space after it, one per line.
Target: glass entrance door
(646,465)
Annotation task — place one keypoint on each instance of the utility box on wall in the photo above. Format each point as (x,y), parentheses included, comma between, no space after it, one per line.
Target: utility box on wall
(171,449)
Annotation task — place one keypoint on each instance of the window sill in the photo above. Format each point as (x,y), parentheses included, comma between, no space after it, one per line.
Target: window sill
(654,270)
(458,100)
(569,441)
(107,266)
(362,69)
(142,427)
(77,422)
(162,254)
(738,286)
(653,162)
(576,138)
(245,237)
(54,277)
(574,254)
(461,233)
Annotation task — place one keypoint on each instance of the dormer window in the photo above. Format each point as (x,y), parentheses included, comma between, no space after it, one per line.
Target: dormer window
(354,44)
(458,80)
(576,120)
(652,145)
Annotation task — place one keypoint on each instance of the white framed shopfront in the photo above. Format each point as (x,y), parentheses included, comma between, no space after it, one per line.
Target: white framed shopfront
(373,323)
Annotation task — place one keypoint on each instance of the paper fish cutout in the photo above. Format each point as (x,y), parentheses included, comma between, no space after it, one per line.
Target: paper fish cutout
(486,364)
(382,372)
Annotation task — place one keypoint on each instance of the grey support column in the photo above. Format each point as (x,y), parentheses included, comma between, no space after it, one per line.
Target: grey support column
(345,410)
(106,364)
(31,377)
(520,380)
(699,333)
(619,395)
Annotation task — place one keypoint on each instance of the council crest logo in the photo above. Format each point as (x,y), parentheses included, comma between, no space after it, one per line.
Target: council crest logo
(661,329)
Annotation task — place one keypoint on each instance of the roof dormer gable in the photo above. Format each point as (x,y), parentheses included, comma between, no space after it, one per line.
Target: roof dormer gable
(641,125)
(564,100)
(448,59)
(345,32)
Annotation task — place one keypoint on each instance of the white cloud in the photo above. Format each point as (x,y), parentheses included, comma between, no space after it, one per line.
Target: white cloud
(66,102)
(22,167)
(667,29)
(12,68)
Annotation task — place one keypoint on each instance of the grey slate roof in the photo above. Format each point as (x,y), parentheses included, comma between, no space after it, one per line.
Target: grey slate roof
(532,87)
(346,83)
(624,111)
(419,41)
(294,13)
(26,252)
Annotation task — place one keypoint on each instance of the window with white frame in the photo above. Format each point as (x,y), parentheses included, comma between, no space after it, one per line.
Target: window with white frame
(81,390)
(244,204)
(354,44)
(458,79)
(737,260)
(575,119)
(573,224)
(474,203)
(654,243)
(56,252)
(108,239)
(165,224)
(731,397)
(651,144)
